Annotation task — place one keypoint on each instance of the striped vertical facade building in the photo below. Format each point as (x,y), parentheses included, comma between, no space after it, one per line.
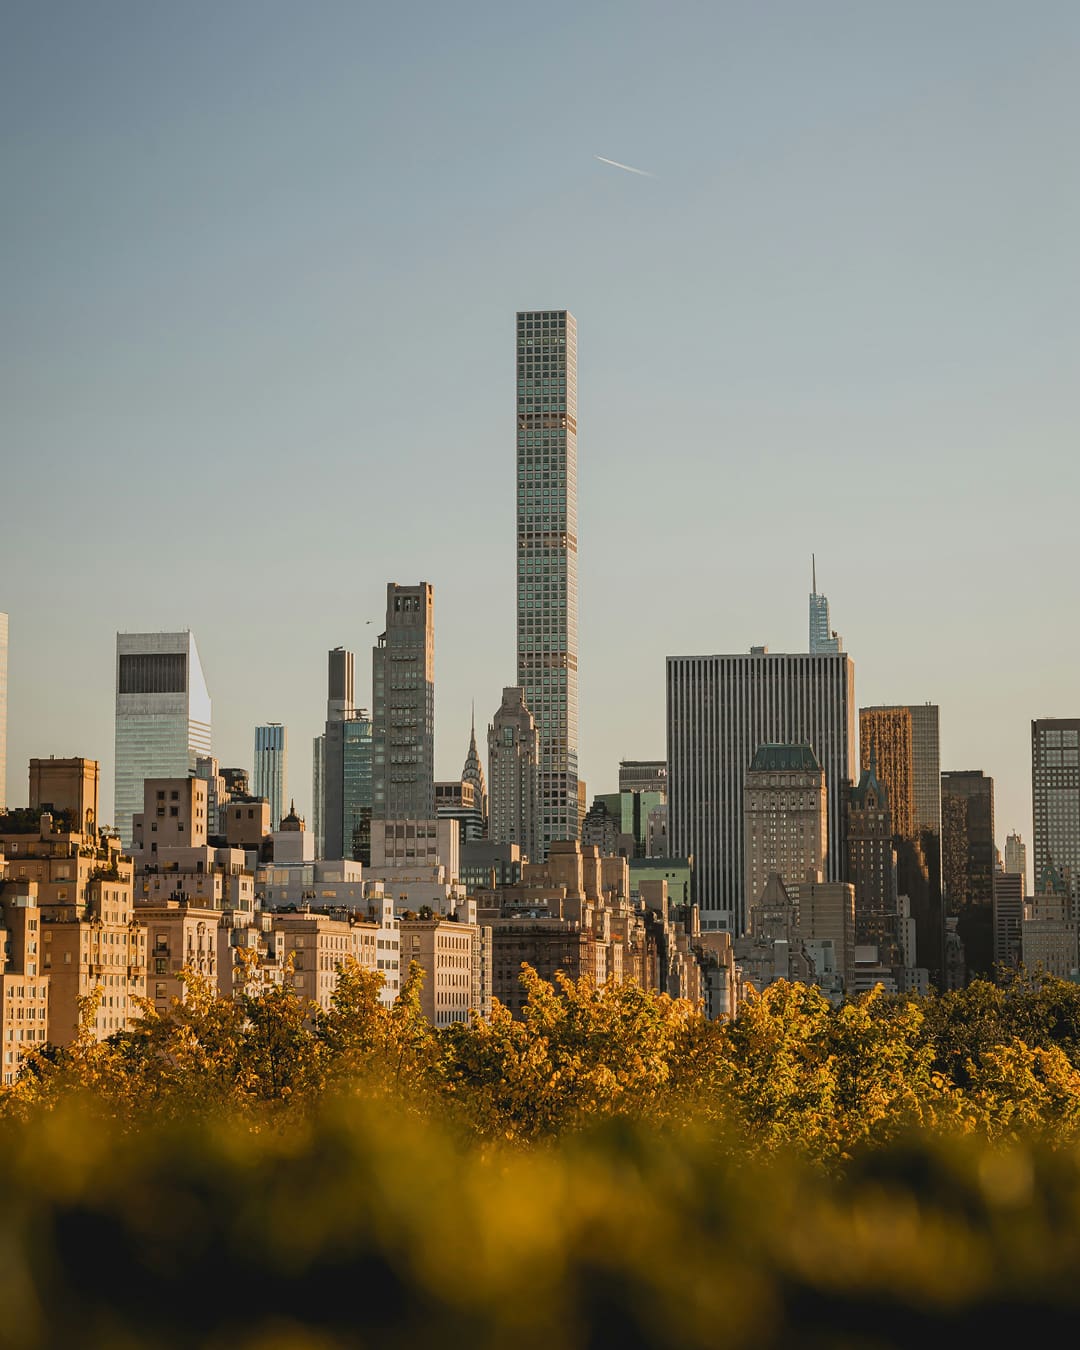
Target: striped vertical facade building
(547,552)
(720,709)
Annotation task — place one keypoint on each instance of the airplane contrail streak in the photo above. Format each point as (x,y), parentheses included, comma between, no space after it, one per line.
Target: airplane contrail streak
(628,167)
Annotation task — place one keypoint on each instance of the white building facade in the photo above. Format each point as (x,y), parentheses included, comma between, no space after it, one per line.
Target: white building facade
(163,716)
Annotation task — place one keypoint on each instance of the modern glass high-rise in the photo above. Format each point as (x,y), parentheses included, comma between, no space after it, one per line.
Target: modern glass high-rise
(356,787)
(1055,799)
(271,768)
(547,551)
(403,706)
(162,716)
(968,856)
(342,769)
(3,709)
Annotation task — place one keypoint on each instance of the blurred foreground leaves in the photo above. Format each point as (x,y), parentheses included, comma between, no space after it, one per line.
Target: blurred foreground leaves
(610,1170)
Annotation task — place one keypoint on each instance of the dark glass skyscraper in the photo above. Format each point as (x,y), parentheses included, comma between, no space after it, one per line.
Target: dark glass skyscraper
(968,856)
(547,547)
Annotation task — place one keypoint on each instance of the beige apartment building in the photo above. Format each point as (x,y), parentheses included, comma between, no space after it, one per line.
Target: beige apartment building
(68,786)
(24,989)
(826,911)
(89,938)
(174,861)
(571,913)
(456,961)
(319,945)
(179,937)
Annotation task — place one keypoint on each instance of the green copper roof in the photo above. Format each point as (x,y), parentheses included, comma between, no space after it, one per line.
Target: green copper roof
(868,779)
(785,758)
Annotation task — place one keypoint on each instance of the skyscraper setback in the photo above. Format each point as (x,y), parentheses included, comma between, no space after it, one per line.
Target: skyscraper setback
(823,641)
(547,548)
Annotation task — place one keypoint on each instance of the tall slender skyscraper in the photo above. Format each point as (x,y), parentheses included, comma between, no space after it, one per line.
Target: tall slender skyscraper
(547,549)
(271,768)
(3,709)
(403,707)
(162,716)
(328,757)
(720,710)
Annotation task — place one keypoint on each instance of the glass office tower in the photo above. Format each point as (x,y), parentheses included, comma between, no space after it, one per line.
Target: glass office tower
(162,716)
(547,548)
(356,787)
(271,768)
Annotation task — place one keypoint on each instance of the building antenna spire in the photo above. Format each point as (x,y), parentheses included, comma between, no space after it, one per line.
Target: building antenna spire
(813,572)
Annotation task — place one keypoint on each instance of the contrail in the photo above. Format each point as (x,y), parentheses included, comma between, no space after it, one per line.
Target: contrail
(628,167)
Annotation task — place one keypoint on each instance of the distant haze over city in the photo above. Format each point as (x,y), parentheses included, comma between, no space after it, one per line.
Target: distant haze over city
(259,355)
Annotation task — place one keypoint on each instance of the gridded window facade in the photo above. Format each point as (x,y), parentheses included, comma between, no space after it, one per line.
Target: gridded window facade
(720,709)
(403,704)
(1055,793)
(547,547)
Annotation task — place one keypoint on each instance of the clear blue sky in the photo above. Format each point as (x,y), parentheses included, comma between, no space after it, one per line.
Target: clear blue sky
(259,269)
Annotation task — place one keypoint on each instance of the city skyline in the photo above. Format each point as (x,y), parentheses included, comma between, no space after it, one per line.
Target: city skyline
(804,331)
(445,757)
